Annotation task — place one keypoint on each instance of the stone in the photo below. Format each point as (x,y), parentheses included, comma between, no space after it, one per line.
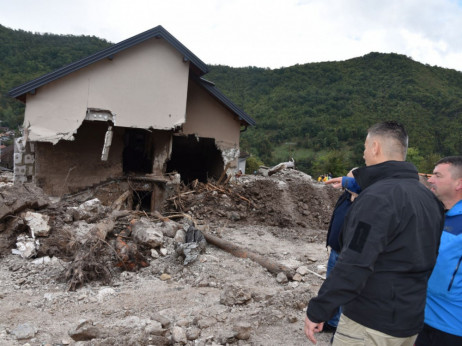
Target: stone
(294,284)
(26,247)
(24,331)
(105,292)
(179,335)
(234,216)
(292,319)
(302,270)
(243,330)
(92,205)
(206,322)
(235,295)
(145,233)
(169,228)
(297,277)
(226,336)
(84,331)
(38,224)
(180,236)
(282,278)
(193,333)
(155,328)
(164,321)
(165,277)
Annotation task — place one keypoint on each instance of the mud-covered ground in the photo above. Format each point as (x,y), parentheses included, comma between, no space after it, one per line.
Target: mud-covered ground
(217,299)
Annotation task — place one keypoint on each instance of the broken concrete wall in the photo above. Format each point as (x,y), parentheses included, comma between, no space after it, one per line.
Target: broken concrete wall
(72,165)
(208,118)
(144,87)
(162,141)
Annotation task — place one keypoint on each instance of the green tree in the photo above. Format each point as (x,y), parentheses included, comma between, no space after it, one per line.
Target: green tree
(253,163)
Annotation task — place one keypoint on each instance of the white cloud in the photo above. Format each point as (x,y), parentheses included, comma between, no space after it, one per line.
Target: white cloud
(265,33)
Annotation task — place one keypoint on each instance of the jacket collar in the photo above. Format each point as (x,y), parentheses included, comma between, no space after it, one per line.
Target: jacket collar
(366,176)
(455,210)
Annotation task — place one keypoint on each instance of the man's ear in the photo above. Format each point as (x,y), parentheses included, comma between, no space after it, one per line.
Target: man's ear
(459,184)
(376,147)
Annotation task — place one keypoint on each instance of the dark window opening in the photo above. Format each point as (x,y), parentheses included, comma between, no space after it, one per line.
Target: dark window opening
(195,158)
(142,200)
(138,152)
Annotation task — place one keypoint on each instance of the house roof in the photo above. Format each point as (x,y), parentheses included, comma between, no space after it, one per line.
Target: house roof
(198,65)
(210,87)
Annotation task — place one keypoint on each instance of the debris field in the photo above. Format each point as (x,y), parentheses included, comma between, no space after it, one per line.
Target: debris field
(230,263)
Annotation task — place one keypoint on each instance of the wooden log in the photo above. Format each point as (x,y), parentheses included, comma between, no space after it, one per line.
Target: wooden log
(272,266)
(101,229)
(119,201)
(223,173)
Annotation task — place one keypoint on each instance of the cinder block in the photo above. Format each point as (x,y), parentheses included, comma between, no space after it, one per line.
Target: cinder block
(17,158)
(20,179)
(29,159)
(30,170)
(19,170)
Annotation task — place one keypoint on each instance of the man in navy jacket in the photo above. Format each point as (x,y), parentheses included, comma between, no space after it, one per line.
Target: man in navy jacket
(389,247)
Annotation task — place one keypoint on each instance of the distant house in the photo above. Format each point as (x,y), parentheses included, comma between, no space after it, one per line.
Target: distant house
(138,108)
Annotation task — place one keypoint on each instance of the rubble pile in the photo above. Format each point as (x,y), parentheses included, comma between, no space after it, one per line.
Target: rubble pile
(289,198)
(131,277)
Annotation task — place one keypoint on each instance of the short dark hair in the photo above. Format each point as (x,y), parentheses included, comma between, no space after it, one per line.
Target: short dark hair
(456,164)
(391,129)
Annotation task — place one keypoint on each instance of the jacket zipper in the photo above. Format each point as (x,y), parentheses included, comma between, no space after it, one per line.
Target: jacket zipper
(455,272)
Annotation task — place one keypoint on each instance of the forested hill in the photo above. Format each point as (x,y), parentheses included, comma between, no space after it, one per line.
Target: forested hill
(25,56)
(317,113)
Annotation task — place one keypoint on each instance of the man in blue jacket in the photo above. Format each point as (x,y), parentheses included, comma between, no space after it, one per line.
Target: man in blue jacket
(390,241)
(443,311)
(341,208)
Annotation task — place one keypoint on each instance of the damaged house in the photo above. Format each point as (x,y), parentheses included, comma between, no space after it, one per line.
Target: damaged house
(136,111)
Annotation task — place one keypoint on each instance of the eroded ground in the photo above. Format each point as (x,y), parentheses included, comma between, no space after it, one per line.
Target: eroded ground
(217,299)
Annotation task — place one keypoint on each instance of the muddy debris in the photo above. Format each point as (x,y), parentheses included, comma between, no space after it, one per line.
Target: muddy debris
(233,262)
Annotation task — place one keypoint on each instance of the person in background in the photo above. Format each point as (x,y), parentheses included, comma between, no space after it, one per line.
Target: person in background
(333,233)
(389,243)
(443,311)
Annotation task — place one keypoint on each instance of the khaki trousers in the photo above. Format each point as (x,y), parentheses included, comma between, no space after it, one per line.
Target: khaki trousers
(354,334)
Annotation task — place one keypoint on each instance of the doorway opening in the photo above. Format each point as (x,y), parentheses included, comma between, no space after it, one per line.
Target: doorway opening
(195,158)
(138,152)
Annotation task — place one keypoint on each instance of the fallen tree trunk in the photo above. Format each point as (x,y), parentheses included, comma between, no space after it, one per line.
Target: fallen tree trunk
(272,266)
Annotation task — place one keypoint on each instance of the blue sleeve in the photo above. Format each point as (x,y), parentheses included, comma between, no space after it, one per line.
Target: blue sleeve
(350,184)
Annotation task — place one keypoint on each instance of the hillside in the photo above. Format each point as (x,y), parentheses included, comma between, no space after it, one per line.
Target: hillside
(317,113)
(328,107)
(25,56)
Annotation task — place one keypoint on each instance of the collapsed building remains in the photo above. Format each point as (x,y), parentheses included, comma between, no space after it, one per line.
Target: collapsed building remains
(139,111)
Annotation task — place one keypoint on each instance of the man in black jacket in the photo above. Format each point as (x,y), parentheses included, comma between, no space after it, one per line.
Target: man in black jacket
(389,247)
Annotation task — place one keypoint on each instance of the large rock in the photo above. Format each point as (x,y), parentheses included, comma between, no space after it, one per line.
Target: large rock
(38,223)
(146,233)
(243,330)
(24,331)
(179,335)
(85,330)
(235,295)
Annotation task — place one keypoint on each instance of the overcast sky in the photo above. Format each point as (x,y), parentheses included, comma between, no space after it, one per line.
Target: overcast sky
(263,33)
